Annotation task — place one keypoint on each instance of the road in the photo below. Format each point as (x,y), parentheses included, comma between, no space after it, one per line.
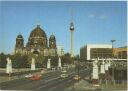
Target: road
(48,82)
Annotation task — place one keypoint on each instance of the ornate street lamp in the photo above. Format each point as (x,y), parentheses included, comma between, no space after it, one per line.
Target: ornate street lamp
(112,41)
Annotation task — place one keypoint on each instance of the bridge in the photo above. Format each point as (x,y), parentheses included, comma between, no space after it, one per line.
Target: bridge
(111,59)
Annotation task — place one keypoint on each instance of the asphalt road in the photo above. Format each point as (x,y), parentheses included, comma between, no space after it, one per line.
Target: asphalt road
(48,82)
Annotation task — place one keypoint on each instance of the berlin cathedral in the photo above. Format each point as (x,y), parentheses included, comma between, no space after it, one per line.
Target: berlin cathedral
(38,43)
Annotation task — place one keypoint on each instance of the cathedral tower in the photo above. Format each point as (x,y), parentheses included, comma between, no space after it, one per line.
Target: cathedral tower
(52,46)
(19,44)
(52,42)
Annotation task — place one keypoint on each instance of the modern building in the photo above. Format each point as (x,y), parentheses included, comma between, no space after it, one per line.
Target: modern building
(37,44)
(120,53)
(91,51)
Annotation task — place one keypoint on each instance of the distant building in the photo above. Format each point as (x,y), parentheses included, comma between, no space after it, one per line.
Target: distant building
(37,44)
(91,51)
(60,50)
(120,53)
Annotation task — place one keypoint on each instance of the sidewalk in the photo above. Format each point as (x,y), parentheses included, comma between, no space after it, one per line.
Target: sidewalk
(109,87)
(82,85)
(3,70)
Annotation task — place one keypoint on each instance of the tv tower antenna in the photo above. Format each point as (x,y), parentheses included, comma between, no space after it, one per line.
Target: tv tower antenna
(72,36)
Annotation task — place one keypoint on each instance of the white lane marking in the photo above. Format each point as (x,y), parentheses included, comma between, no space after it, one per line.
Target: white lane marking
(47,81)
(52,79)
(51,89)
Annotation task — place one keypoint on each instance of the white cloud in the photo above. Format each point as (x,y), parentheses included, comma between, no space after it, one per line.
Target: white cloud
(102,17)
(92,15)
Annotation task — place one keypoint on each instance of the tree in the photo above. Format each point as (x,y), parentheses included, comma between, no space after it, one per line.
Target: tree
(39,60)
(54,61)
(66,59)
(20,61)
(3,60)
(77,57)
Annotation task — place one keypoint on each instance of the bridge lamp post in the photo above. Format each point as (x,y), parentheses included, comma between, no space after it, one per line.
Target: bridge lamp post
(112,41)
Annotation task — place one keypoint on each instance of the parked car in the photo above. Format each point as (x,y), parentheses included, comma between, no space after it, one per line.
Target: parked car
(53,69)
(63,75)
(28,76)
(35,77)
(76,77)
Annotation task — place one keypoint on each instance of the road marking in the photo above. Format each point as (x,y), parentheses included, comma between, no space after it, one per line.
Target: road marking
(48,81)
(67,81)
(52,79)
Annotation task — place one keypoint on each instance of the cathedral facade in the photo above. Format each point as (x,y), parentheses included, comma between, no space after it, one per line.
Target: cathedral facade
(38,43)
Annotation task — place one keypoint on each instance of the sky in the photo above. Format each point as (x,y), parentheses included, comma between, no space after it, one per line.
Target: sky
(96,22)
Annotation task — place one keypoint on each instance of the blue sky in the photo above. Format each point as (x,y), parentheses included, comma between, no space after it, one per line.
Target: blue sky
(95,22)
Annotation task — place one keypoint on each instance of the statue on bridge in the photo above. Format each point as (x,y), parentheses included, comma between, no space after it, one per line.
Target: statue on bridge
(95,76)
(9,66)
(33,64)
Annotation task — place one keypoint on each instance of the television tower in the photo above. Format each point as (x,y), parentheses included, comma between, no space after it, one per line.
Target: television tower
(72,37)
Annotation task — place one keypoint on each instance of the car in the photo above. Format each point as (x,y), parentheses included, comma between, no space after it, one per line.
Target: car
(35,77)
(76,77)
(53,69)
(63,75)
(28,76)
(43,71)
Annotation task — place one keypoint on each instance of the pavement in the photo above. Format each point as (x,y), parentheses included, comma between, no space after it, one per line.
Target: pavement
(116,87)
(3,70)
(83,85)
(80,86)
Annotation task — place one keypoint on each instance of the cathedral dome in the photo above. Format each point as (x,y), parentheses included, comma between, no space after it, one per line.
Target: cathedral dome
(37,38)
(20,36)
(38,32)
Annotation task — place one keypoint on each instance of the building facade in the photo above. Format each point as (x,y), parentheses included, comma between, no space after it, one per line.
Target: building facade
(38,43)
(91,51)
(121,53)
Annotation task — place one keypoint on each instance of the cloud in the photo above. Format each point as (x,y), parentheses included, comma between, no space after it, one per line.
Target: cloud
(102,17)
(92,15)
(97,16)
